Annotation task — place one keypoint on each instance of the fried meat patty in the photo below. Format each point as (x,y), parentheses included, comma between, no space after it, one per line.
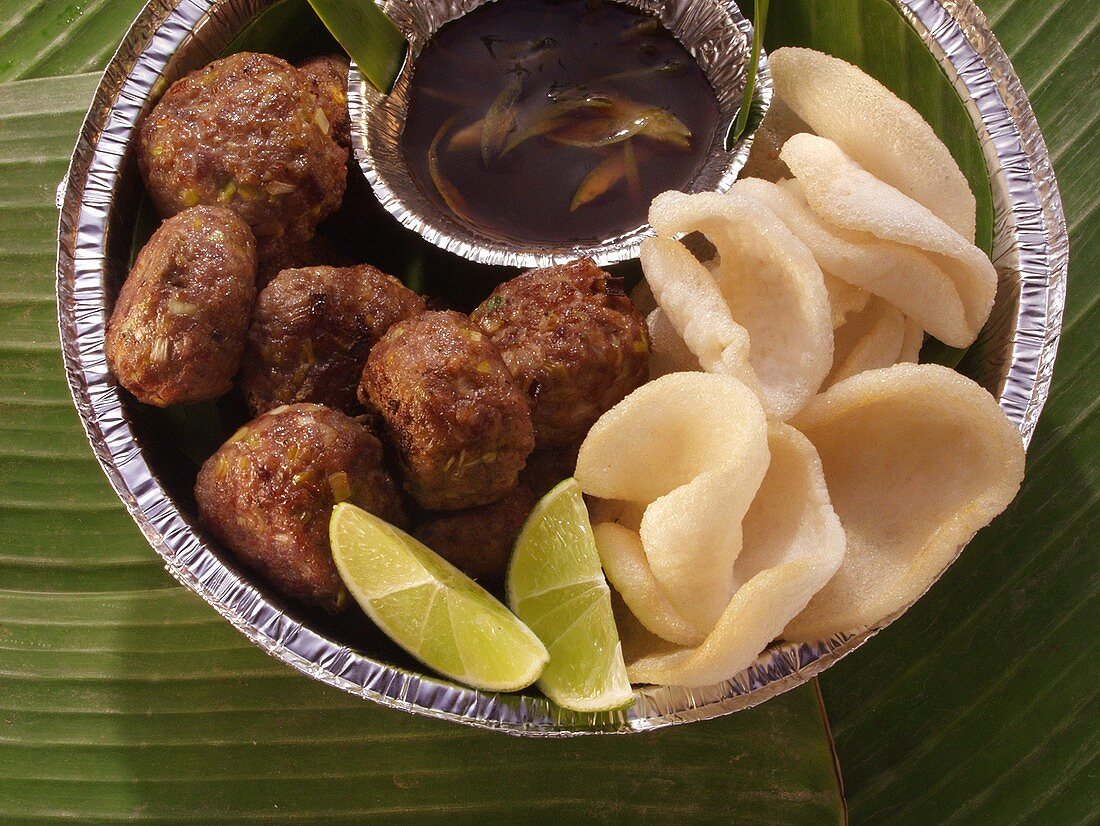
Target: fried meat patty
(311,331)
(248,132)
(573,341)
(461,427)
(177,330)
(268,493)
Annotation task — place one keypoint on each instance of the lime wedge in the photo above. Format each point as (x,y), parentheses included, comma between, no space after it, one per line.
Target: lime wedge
(429,607)
(555,585)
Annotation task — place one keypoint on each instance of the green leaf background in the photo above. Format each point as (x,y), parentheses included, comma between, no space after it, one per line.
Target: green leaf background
(124,697)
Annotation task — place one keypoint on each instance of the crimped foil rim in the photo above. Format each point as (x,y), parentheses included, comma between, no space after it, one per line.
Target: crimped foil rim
(1031,240)
(377,121)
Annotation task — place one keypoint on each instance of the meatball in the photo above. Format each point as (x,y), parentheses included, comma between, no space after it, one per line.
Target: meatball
(318,251)
(478,541)
(178,327)
(311,331)
(330,73)
(267,495)
(461,427)
(573,341)
(248,132)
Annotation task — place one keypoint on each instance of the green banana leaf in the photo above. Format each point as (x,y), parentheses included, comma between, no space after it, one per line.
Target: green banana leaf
(123,696)
(373,41)
(46,38)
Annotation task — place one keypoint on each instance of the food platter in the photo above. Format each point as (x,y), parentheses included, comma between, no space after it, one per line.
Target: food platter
(100,200)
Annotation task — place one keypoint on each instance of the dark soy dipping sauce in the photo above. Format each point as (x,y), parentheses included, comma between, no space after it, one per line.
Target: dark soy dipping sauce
(555,122)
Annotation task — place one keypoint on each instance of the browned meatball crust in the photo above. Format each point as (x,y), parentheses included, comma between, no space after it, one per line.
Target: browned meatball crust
(267,495)
(330,73)
(478,541)
(248,132)
(178,328)
(318,251)
(573,341)
(461,427)
(311,331)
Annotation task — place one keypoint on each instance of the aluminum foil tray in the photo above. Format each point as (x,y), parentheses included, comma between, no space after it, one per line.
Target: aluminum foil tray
(99,203)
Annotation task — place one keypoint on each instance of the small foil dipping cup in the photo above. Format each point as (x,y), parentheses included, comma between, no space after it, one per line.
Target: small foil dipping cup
(714,33)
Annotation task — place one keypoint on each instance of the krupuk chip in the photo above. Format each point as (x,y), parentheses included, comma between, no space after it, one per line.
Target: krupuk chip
(943,266)
(763,297)
(877,129)
(792,545)
(917,458)
(691,449)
